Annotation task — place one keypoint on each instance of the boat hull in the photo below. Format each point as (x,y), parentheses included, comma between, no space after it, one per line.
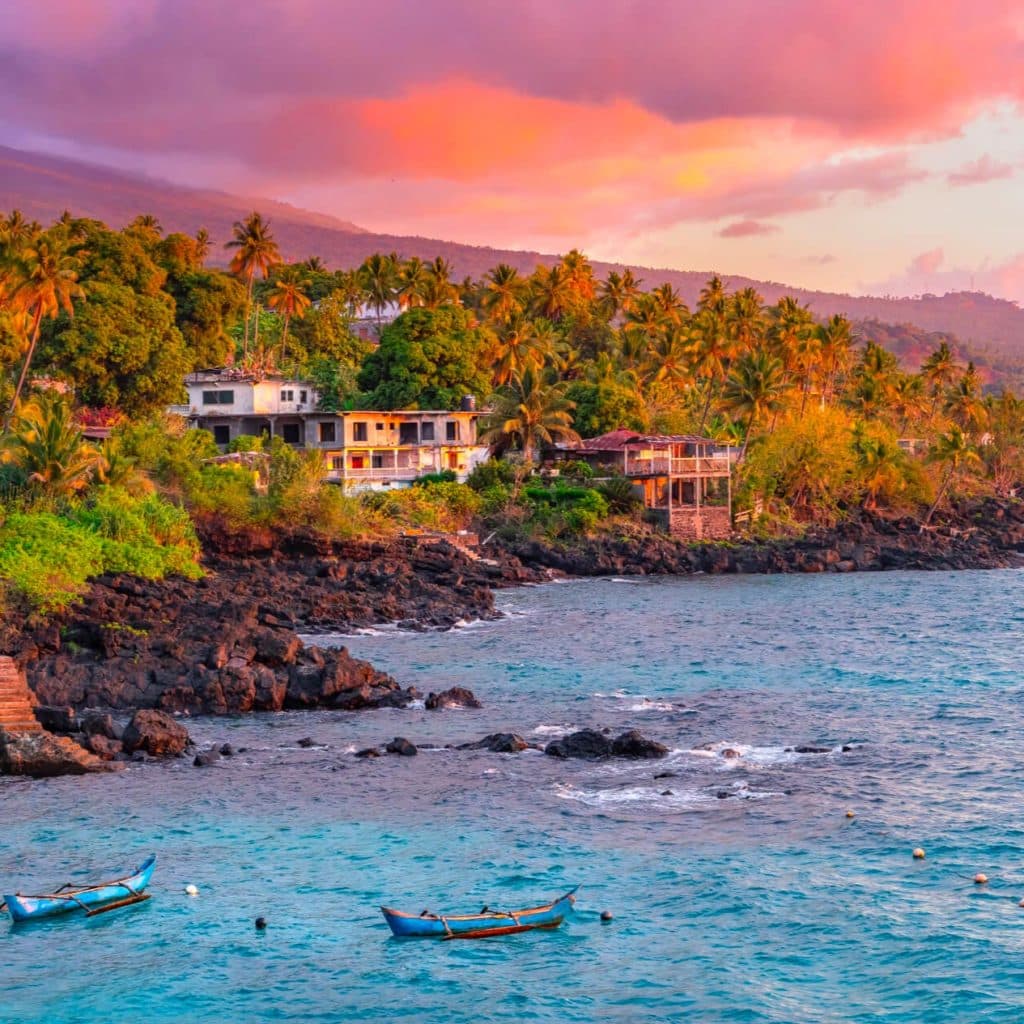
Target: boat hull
(31,908)
(478,926)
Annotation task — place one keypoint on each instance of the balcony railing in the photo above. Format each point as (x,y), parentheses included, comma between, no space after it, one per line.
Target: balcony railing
(662,465)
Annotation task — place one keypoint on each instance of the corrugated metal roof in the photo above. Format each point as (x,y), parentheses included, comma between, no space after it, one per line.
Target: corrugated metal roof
(618,440)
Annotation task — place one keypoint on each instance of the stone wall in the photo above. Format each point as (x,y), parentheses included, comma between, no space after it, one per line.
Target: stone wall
(710,522)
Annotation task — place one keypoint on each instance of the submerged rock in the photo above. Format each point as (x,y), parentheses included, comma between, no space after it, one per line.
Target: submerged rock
(456,697)
(206,758)
(636,746)
(498,743)
(400,745)
(156,733)
(587,743)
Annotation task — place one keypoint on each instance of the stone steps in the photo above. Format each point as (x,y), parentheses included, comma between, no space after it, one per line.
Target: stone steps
(16,701)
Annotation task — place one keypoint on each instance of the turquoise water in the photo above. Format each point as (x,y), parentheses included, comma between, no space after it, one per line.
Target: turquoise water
(740,890)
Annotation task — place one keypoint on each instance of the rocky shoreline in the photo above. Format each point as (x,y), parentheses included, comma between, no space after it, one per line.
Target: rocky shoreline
(987,535)
(230,643)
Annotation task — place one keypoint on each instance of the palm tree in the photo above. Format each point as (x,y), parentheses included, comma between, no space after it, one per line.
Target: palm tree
(646,319)
(410,280)
(955,451)
(531,412)
(552,291)
(377,278)
(315,265)
(835,338)
(288,299)
(907,398)
(939,371)
(713,350)
(755,387)
(255,250)
(668,359)
(349,290)
(745,317)
(963,401)
(503,291)
(881,464)
(667,299)
(713,297)
(47,446)
(579,273)
(202,245)
(437,288)
(46,283)
(147,224)
(521,348)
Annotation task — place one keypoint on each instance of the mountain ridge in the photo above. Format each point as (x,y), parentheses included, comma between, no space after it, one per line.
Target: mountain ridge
(43,186)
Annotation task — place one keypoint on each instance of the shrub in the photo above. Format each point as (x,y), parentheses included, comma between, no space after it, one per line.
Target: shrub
(494,472)
(619,494)
(446,476)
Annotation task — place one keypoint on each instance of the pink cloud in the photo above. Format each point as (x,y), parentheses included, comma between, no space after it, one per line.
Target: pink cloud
(747,229)
(980,171)
(928,274)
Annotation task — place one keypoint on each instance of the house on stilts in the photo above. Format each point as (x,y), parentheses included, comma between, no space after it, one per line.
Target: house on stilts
(684,481)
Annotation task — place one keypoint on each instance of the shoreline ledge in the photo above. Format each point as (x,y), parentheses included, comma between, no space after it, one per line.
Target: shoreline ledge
(229,643)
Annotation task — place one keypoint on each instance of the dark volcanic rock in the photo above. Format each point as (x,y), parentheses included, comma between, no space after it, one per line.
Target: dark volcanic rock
(811,750)
(456,697)
(636,746)
(156,733)
(103,746)
(498,743)
(400,745)
(587,743)
(62,720)
(95,723)
(42,755)
(206,758)
(368,752)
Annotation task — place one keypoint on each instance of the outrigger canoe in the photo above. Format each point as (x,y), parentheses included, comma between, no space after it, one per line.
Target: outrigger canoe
(478,926)
(93,899)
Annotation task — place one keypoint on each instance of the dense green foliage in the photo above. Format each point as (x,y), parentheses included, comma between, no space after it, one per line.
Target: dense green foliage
(827,421)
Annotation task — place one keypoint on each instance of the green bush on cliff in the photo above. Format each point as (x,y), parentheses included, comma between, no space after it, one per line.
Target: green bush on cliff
(49,557)
(443,505)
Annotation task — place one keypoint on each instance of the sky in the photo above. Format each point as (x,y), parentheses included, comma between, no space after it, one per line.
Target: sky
(869,147)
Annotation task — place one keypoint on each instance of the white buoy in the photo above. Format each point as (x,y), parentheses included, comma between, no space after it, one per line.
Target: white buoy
(919,854)
(850,814)
(191,890)
(980,878)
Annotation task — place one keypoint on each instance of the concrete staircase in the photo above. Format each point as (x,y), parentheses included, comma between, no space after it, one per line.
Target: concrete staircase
(16,701)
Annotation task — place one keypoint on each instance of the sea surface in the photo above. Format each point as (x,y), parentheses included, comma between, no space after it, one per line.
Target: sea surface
(740,890)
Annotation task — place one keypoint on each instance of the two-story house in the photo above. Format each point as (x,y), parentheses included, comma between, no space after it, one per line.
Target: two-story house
(363,450)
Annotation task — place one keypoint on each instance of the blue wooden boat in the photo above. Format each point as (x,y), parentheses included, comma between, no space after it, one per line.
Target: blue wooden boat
(93,899)
(478,926)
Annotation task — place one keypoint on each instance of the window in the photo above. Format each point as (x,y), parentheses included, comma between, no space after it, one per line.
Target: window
(338,462)
(451,430)
(290,432)
(359,431)
(222,434)
(302,397)
(407,433)
(380,426)
(218,398)
(287,395)
(358,461)
(327,433)
(378,460)
(427,432)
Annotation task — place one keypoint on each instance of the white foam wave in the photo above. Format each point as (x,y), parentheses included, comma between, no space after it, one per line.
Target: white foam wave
(553,730)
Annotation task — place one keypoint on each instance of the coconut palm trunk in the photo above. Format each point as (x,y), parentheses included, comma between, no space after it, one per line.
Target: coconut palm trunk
(37,320)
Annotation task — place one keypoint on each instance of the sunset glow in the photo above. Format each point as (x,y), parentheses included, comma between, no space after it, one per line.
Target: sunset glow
(815,142)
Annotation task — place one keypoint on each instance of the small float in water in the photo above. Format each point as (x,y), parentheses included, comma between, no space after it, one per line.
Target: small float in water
(478,926)
(93,899)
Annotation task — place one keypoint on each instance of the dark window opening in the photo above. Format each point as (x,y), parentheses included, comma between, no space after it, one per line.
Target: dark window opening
(451,430)
(290,433)
(427,432)
(302,396)
(218,397)
(380,426)
(377,460)
(222,434)
(327,432)
(287,395)
(359,431)
(408,434)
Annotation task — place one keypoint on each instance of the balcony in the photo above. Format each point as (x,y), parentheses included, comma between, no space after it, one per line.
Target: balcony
(663,465)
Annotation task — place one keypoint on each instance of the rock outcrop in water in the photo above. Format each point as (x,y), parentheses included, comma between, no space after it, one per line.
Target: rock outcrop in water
(592,745)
